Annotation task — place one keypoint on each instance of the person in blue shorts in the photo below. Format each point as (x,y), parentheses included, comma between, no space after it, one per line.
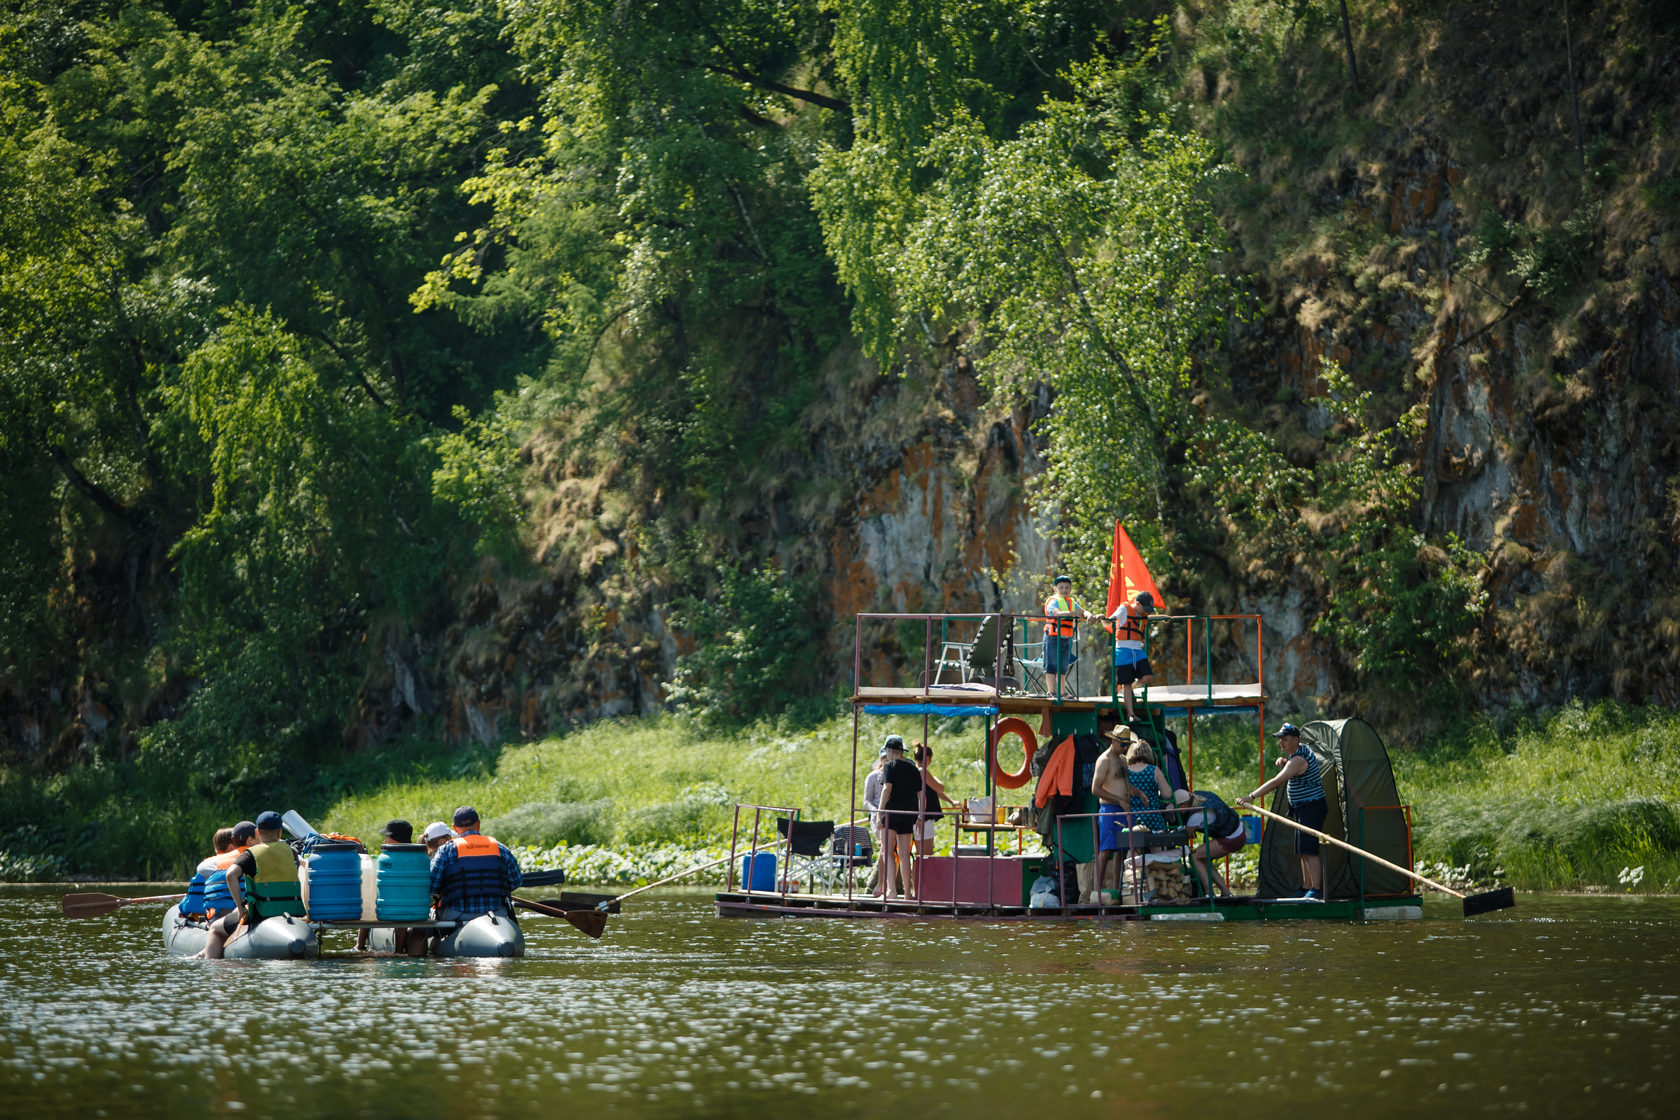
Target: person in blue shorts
(1131,664)
(1108,782)
(1299,767)
(1060,613)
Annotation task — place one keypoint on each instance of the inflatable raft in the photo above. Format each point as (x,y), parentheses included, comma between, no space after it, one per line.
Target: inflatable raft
(488,935)
(278,939)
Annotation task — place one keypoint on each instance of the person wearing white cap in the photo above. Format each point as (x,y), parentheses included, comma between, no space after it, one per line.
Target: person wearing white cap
(435,835)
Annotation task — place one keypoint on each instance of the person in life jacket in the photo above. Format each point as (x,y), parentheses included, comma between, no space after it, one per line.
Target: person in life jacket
(473,874)
(263,881)
(1131,664)
(1223,830)
(194,906)
(1060,613)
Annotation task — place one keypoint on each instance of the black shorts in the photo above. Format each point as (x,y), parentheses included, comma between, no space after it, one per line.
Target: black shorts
(229,922)
(1133,671)
(1311,814)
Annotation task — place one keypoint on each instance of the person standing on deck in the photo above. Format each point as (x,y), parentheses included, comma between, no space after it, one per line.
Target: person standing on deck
(901,788)
(1113,791)
(1299,767)
(473,874)
(1131,664)
(1060,611)
(877,826)
(933,792)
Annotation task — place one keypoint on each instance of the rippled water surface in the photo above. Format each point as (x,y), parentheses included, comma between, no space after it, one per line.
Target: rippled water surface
(1561,1006)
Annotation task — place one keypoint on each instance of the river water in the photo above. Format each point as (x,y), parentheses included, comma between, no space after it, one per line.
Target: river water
(1563,1006)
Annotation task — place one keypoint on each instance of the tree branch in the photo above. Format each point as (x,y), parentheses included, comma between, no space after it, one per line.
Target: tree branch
(92,490)
(810,96)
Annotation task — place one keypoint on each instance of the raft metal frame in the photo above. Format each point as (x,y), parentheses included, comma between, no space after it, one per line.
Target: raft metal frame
(991,698)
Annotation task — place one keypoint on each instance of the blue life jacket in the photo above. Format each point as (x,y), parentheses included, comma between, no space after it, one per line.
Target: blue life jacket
(194,902)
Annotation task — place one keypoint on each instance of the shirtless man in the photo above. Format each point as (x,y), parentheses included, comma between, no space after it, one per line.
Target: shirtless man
(1108,782)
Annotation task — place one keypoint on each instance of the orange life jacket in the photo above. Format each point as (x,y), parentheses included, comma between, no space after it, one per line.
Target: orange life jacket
(477,844)
(1132,629)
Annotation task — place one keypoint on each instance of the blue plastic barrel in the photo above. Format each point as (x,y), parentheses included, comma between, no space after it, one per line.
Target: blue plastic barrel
(758,871)
(1251,829)
(404,880)
(335,882)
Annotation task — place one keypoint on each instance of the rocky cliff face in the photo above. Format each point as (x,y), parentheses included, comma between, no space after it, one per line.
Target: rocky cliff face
(1436,234)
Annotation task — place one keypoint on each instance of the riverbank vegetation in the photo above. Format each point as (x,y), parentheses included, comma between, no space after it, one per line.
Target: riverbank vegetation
(376,374)
(1580,798)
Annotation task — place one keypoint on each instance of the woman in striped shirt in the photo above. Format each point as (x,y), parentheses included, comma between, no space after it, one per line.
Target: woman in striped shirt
(1298,766)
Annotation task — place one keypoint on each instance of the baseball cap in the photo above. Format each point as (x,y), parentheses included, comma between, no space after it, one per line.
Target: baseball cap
(437,830)
(399,830)
(1062,579)
(1145,599)
(1286,729)
(243,831)
(465,815)
(268,822)
(893,743)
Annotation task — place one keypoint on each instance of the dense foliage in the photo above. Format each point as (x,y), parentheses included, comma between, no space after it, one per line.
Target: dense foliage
(300,304)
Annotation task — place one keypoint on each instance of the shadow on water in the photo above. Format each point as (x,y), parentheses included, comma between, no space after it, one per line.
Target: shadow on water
(1560,1006)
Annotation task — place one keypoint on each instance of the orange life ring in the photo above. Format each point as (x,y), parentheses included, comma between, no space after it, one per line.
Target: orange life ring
(1013,725)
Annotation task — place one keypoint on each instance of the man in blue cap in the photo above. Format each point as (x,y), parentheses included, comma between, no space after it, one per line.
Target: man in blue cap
(1060,611)
(473,874)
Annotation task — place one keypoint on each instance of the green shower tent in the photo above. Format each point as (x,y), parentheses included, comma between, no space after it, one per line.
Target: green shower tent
(1364,810)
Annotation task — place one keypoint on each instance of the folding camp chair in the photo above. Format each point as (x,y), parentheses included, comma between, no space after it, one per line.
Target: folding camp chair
(1029,662)
(806,846)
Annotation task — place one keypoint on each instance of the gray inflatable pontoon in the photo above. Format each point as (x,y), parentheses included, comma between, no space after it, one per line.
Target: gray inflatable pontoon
(488,935)
(278,939)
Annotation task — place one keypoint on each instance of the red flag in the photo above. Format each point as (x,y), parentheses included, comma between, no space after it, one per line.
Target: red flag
(1127,574)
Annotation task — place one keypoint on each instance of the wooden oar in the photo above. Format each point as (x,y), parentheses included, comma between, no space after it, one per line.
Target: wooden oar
(667,879)
(592,922)
(92,904)
(1502,899)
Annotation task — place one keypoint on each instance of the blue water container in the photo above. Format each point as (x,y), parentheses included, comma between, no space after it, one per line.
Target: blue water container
(758,871)
(404,880)
(1251,829)
(335,882)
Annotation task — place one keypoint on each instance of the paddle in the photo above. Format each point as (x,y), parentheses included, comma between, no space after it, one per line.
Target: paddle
(1502,899)
(543,878)
(592,922)
(92,904)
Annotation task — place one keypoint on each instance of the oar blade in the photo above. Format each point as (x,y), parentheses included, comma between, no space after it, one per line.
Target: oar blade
(1488,901)
(592,922)
(90,905)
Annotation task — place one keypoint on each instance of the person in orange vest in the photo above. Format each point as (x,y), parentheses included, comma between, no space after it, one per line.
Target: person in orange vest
(473,874)
(1060,613)
(1131,663)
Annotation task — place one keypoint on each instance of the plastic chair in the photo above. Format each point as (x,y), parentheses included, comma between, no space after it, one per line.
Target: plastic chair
(853,847)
